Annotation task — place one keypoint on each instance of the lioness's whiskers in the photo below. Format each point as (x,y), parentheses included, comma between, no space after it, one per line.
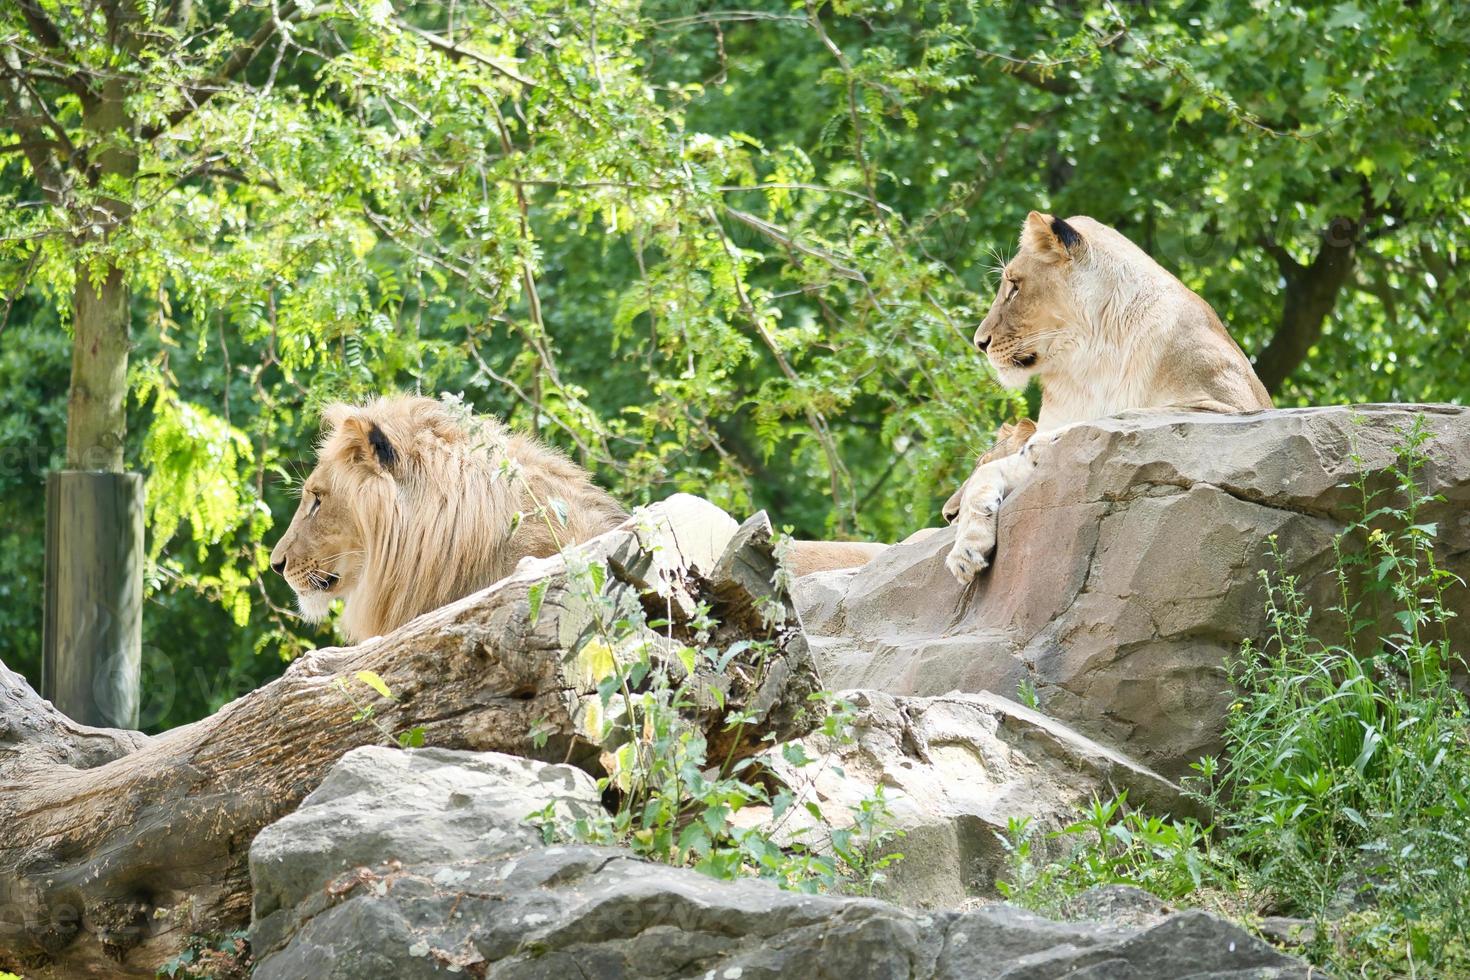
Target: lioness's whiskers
(1066,336)
(1001,260)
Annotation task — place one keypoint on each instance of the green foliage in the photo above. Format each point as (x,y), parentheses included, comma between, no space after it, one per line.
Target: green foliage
(33,370)
(1112,845)
(1349,785)
(733,252)
(1345,797)
(198,470)
(676,804)
(365,710)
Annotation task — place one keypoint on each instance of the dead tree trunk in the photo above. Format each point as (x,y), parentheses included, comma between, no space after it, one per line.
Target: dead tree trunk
(91,646)
(94,513)
(115,847)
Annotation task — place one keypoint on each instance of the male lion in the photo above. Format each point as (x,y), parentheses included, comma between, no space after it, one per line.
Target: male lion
(1105,329)
(414,504)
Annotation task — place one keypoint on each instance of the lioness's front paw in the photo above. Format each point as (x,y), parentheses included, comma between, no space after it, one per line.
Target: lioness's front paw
(966,560)
(951,509)
(1038,446)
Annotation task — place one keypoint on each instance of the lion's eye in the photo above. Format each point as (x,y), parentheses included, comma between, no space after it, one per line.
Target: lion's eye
(316,502)
(1015,288)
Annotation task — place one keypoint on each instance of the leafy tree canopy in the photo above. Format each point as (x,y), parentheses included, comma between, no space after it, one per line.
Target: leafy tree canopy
(737,250)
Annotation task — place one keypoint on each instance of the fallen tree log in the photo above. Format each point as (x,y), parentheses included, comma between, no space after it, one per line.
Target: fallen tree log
(116,847)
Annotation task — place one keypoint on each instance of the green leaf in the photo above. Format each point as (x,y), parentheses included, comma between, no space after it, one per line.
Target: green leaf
(781,803)
(795,753)
(536,595)
(372,680)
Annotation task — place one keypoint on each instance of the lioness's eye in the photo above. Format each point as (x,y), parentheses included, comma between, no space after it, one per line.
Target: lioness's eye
(1015,288)
(316,502)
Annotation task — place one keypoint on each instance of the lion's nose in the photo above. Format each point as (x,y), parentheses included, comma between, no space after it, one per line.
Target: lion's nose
(982,341)
(279,566)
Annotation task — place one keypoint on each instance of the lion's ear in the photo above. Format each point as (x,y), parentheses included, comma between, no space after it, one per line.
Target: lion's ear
(1051,239)
(365,440)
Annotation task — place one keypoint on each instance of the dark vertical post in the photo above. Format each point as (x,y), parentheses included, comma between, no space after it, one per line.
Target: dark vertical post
(92,638)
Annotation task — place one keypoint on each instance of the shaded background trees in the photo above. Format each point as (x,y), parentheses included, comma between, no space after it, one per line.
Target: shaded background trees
(734,249)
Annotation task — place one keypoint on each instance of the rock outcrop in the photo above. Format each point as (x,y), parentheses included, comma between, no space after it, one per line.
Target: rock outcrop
(418,864)
(1127,573)
(1126,570)
(954,770)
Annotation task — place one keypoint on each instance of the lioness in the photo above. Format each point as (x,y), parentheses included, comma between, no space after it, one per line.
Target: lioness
(415,503)
(1105,329)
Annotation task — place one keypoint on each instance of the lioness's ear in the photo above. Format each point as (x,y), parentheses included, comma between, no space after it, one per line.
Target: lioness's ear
(366,442)
(1052,239)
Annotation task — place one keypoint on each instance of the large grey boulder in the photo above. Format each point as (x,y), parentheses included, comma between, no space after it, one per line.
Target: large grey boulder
(954,770)
(381,874)
(410,807)
(1126,570)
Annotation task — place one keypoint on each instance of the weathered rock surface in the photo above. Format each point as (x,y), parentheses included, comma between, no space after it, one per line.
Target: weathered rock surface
(954,770)
(428,805)
(489,900)
(1126,568)
(1116,904)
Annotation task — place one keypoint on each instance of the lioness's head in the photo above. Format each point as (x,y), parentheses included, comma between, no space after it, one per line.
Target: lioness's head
(1036,304)
(322,553)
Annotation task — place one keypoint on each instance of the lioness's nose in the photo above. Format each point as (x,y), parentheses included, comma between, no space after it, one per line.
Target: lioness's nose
(982,339)
(279,566)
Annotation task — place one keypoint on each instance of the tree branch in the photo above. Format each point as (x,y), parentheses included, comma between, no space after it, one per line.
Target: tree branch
(1285,261)
(237,62)
(37,149)
(456,52)
(25,146)
(117,845)
(41,27)
(43,112)
(1311,293)
(62,72)
(781,237)
(837,472)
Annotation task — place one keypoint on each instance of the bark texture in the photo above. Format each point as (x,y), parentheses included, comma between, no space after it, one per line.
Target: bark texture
(96,411)
(92,638)
(116,847)
(1311,295)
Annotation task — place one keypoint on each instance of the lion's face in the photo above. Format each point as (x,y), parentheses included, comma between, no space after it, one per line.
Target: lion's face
(321,553)
(1034,308)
